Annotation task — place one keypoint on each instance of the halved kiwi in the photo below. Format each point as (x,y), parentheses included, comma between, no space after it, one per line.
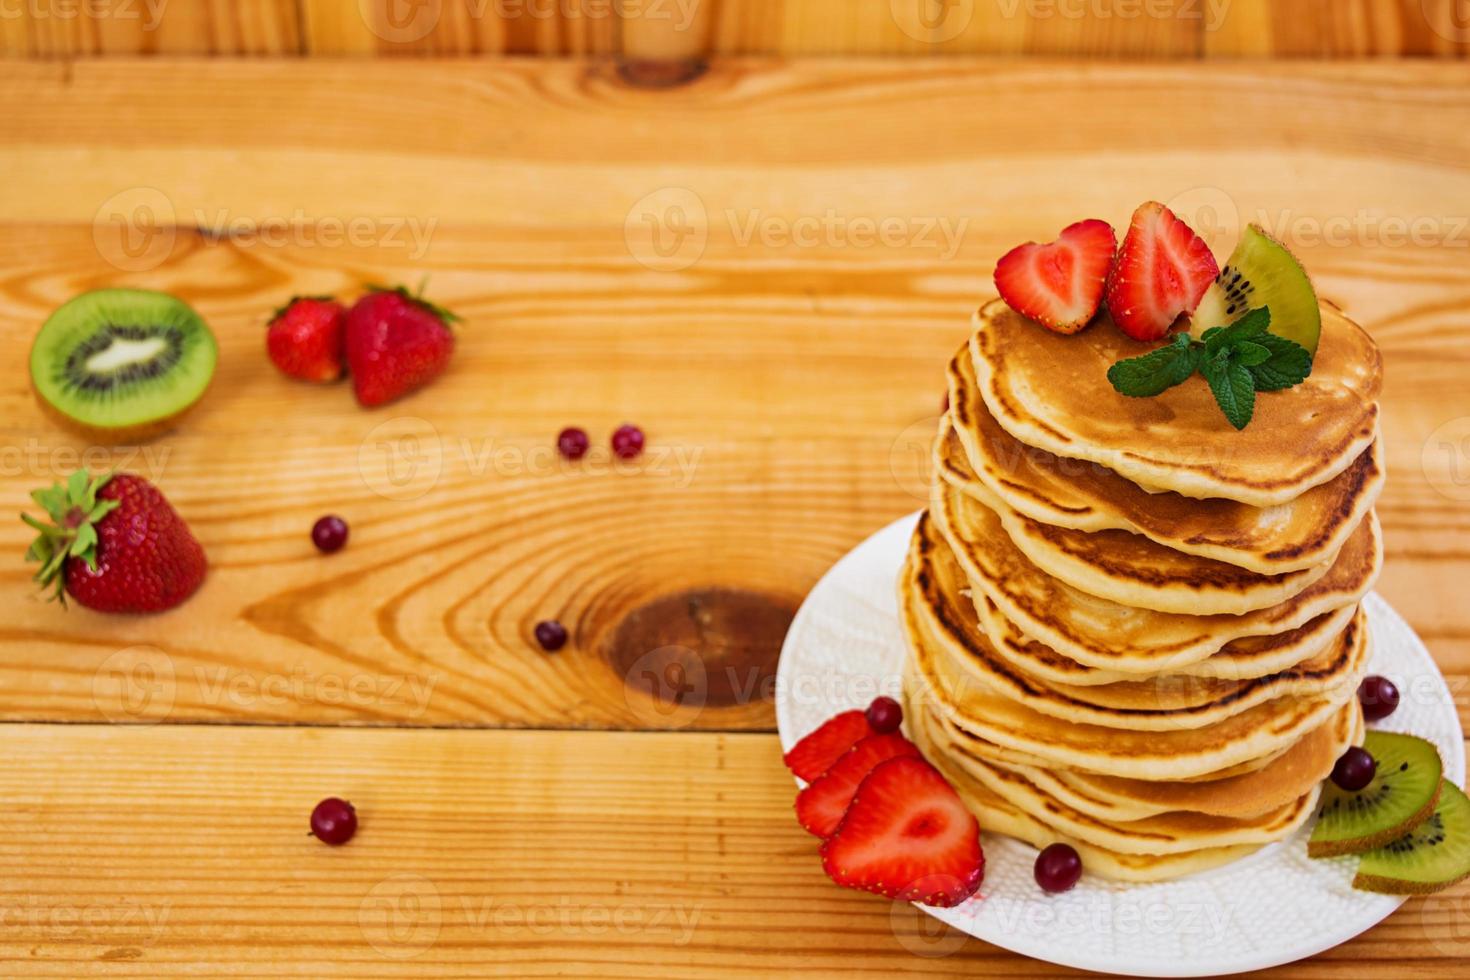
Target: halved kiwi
(1402,794)
(1262,272)
(122,364)
(1431,857)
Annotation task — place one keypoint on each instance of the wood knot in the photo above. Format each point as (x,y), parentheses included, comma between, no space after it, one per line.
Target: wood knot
(701,648)
(661,73)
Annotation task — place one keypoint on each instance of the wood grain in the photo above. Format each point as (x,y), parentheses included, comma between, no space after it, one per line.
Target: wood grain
(693,28)
(784,360)
(178,851)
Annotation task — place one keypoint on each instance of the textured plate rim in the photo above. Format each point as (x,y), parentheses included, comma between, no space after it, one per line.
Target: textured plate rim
(888,545)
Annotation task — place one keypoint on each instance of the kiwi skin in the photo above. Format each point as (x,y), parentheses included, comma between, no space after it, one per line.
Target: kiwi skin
(1357,845)
(1384,885)
(117,436)
(1382,750)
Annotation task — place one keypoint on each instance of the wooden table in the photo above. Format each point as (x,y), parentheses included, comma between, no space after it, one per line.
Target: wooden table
(764,264)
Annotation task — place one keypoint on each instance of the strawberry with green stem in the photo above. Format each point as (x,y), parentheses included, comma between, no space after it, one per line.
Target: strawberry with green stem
(114,544)
(397,342)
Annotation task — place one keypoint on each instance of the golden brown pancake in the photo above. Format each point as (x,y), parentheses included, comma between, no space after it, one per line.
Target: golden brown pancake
(1111,636)
(933,582)
(1243,659)
(1129,568)
(1051,391)
(1086,496)
(998,816)
(1173,753)
(1308,762)
(1174,832)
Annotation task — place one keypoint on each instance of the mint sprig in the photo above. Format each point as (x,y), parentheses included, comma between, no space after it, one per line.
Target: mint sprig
(1236,361)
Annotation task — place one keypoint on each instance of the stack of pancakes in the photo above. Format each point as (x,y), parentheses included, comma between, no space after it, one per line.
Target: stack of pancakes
(1132,628)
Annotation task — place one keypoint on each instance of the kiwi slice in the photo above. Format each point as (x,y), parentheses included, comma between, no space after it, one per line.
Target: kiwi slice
(1431,857)
(121,364)
(1262,272)
(1402,795)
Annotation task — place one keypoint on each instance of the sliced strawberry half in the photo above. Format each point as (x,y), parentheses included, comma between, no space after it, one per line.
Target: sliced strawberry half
(814,755)
(1060,284)
(821,806)
(1163,270)
(907,835)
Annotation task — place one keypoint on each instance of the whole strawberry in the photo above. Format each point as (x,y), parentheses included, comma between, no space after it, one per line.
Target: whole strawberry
(304,338)
(114,545)
(397,342)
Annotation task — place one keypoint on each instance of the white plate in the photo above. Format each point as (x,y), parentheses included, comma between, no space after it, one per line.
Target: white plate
(1274,907)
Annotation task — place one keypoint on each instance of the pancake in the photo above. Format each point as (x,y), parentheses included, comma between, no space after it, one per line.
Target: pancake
(1131,569)
(931,586)
(1111,636)
(1174,753)
(998,816)
(1308,762)
(1167,833)
(1242,659)
(992,752)
(1084,496)
(1051,391)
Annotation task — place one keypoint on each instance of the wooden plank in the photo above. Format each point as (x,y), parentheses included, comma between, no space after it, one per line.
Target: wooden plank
(181,851)
(64,29)
(691,28)
(785,382)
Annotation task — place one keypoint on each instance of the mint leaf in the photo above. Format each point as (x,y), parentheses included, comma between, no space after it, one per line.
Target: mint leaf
(1289,364)
(1233,386)
(1248,327)
(1156,371)
(1250,353)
